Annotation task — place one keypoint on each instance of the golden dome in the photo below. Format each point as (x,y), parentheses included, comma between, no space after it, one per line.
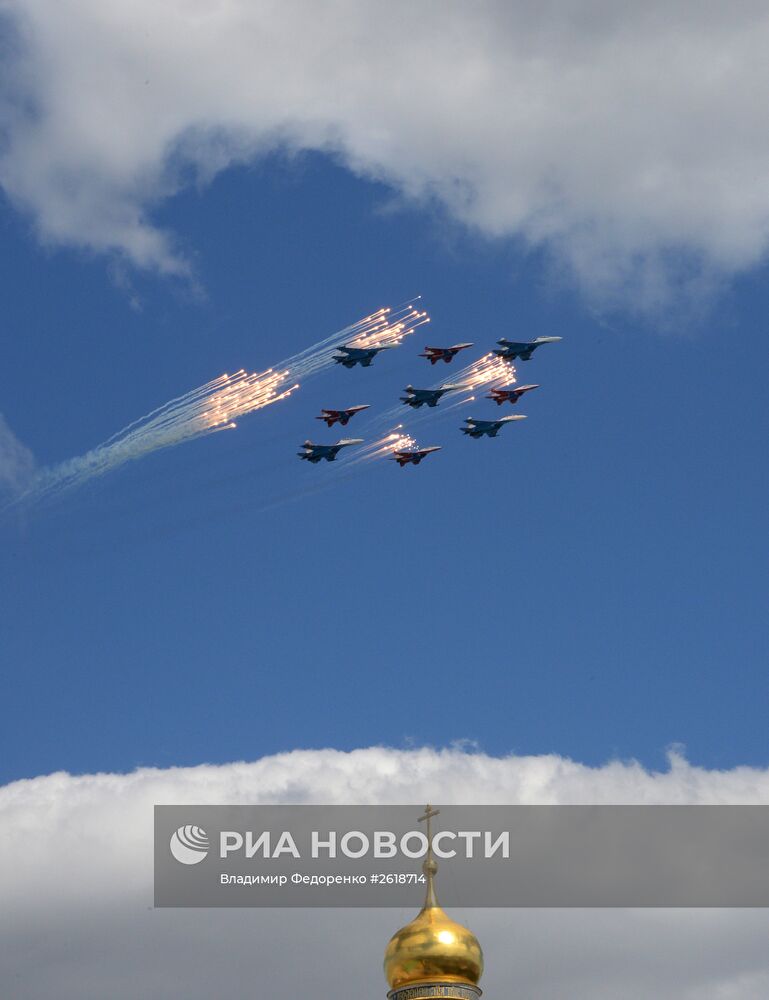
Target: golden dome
(433,948)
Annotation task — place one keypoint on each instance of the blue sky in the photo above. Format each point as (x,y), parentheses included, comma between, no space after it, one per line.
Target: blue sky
(591,583)
(187,188)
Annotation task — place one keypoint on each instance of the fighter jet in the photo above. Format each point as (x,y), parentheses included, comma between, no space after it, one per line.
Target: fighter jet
(317,452)
(352,356)
(512,349)
(341,416)
(412,456)
(428,397)
(477,428)
(447,354)
(511,395)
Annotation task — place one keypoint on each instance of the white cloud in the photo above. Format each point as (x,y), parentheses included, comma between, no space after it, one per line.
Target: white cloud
(17,463)
(76,868)
(629,139)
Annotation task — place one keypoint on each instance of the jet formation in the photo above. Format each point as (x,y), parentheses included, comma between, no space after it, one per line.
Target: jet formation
(402,448)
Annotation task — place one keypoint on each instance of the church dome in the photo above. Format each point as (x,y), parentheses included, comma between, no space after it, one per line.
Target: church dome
(433,948)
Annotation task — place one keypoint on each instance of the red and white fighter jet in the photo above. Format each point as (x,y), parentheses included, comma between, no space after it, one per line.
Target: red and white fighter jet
(341,416)
(412,456)
(447,354)
(511,395)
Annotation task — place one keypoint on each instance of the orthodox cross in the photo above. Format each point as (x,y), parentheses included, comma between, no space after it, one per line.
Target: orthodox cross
(430,867)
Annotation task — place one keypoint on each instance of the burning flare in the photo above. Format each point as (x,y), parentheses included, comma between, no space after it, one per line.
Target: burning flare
(488,371)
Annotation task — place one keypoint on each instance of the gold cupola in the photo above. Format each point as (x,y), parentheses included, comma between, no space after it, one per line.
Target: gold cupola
(433,956)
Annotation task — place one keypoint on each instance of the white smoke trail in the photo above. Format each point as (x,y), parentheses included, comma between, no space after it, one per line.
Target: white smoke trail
(217,405)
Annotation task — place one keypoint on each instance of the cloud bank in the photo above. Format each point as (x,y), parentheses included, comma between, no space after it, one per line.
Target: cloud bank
(627,139)
(76,873)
